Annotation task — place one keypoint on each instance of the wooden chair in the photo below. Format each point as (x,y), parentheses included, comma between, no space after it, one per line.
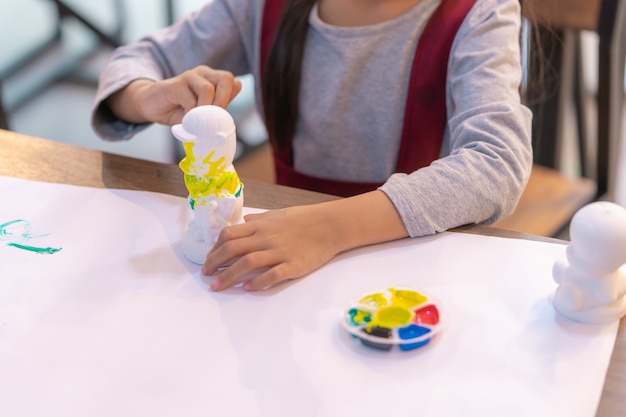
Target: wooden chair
(551,198)
(4,124)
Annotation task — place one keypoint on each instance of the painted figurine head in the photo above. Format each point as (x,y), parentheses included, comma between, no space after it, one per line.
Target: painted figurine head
(211,129)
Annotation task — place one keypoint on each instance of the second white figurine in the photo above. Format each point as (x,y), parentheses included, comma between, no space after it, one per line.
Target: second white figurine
(592,280)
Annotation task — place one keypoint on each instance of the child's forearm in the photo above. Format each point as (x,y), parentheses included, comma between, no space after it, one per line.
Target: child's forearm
(363,220)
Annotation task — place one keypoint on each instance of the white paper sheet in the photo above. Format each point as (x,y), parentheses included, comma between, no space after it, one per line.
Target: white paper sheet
(117,323)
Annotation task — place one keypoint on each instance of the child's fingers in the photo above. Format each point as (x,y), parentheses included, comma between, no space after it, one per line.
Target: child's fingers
(203,89)
(235,90)
(230,244)
(250,263)
(204,85)
(268,278)
(227,87)
(224,83)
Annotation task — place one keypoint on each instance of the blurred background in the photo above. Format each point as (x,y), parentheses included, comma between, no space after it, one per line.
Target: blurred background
(50,60)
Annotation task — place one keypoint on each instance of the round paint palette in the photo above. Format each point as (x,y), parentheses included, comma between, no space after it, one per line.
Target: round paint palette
(393,317)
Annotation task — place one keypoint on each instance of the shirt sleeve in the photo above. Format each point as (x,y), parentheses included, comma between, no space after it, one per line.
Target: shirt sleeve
(488,156)
(219,35)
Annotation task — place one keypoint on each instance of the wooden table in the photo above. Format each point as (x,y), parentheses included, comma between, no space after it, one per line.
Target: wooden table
(43,160)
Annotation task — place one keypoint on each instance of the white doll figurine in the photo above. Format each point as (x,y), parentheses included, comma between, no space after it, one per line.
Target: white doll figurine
(592,282)
(215,191)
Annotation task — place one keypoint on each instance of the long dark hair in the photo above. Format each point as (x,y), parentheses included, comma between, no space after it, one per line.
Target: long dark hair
(539,41)
(281,80)
(543,78)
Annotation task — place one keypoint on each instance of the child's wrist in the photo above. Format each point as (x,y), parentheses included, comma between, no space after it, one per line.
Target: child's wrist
(136,93)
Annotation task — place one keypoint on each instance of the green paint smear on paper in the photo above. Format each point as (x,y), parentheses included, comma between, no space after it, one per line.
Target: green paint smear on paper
(46,251)
(3,227)
(26,236)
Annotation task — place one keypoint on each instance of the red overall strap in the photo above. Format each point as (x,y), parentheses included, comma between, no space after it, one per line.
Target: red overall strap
(425,113)
(272,11)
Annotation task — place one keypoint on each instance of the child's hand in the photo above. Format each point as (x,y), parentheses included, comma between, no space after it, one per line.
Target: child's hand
(167,101)
(285,244)
(278,245)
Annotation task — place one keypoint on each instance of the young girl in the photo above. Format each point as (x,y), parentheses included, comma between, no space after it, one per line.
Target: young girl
(337,81)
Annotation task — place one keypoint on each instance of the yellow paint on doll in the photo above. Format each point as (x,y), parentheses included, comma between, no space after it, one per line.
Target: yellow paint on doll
(209,177)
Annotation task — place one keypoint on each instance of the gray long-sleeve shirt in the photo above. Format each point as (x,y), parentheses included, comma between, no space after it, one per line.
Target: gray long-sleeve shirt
(353,92)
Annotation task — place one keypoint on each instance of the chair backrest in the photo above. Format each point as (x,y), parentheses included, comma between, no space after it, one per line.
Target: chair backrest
(608,19)
(4,124)
(566,14)
(612,61)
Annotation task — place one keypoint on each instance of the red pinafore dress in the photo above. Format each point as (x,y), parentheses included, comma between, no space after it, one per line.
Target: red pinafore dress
(425,111)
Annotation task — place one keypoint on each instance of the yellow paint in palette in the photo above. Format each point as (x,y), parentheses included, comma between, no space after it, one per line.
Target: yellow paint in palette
(390,317)
(406,298)
(398,312)
(393,312)
(375,300)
